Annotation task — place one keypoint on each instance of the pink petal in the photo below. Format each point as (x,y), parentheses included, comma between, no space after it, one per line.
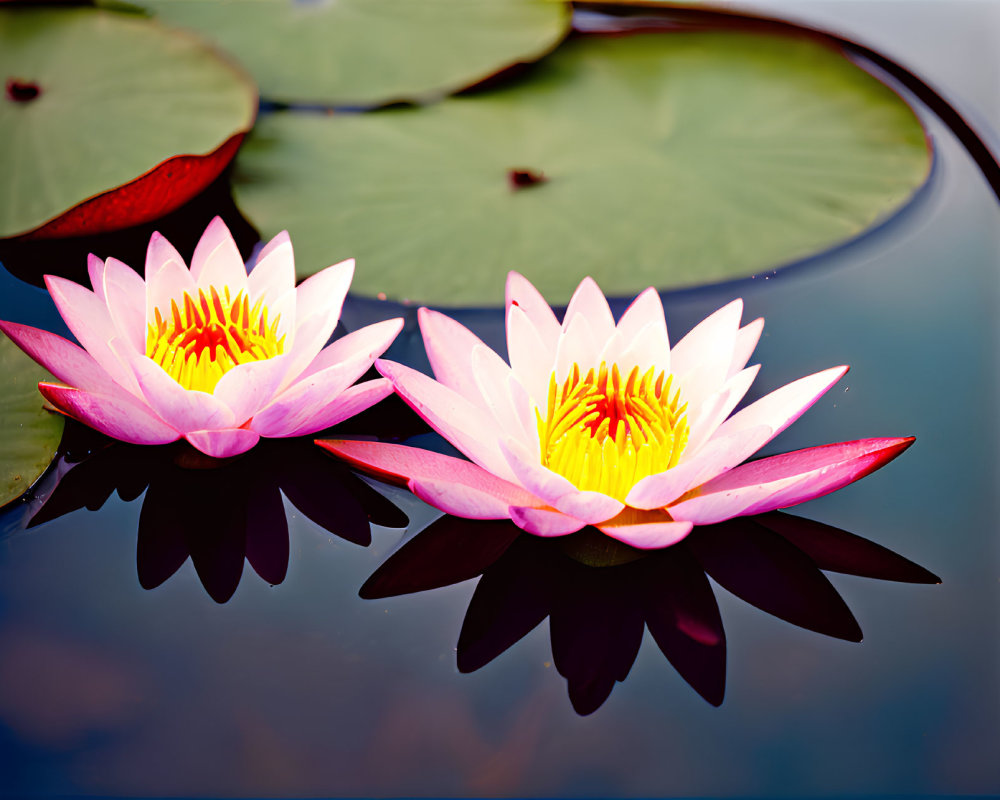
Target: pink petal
(396,461)
(532,359)
(297,405)
(274,273)
(117,416)
(324,292)
(170,280)
(648,348)
(449,347)
(461,501)
(714,413)
(521,293)
(88,319)
(554,489)
(70,363)
(783,406)
(351,401)
(446,411)
(158,254)
(589,302)
(125,295)
(718,456)
(217,261)
(246,388)
(785,480)
(502,396)
(577,345)
(368,343)
(645,310)
(657,532)
(544,521)
(183,409)
(700,361)
(95,270)
(746,342)
(223,443)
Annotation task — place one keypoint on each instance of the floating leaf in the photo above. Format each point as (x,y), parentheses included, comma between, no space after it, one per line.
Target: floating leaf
(665,159)
(367,52)
(95,100)
(29,435)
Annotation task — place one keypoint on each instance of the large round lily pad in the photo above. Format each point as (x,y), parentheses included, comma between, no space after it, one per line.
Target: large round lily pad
(29,435)
(368,52)
(665,159)
(93,100)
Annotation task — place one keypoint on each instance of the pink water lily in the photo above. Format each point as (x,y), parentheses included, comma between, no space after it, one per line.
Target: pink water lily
(604,424)
(210,354)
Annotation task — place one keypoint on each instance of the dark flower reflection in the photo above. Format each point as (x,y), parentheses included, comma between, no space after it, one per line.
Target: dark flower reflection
(599,595)
(220,512)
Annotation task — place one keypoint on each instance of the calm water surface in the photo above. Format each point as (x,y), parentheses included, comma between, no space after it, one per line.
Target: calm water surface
(303,687)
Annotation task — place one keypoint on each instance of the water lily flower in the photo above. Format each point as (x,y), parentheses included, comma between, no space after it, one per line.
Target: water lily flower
(604,424)
(211,354)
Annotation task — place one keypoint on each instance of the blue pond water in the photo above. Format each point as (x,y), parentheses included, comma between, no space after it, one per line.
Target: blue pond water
(304,687)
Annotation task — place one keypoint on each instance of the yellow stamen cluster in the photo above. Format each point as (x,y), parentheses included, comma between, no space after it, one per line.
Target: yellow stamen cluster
(200,342)
(605,434)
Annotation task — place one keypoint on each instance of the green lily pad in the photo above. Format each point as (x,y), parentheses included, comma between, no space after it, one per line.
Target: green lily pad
(29,435)
(664,159)
(93,100)
(368,52)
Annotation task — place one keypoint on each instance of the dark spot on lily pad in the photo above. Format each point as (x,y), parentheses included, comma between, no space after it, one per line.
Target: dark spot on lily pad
(21,91)
(523,178)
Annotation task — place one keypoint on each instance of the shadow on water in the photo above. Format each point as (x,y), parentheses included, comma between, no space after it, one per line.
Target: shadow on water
(599,595)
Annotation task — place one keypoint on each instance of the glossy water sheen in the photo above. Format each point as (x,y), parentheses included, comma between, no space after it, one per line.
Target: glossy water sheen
(305,688)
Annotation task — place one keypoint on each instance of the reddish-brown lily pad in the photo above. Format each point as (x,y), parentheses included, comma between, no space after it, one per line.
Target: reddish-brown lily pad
(109,120)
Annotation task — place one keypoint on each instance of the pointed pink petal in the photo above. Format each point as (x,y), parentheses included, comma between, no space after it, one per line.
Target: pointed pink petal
(645,310)
(786,480)
(324,292)
(532,359)
(544,521)
(222,443)
(589,506)
(367,343)
(217,261)
(95,270)
(299,403)
(246,388)
(700,361)
(159,253)
(183,409)
(117,417)
(650,535)
(717,457)
(69,363)
(396,461)
(351,401)
(783,406)
(88,319)
(274,273)
(125,295)
(446,411)
(746,342)
(449,346)
(589,302)
(648,348)
(521,293)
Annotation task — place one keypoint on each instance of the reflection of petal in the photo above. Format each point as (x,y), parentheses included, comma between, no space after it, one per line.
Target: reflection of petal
(768,572)
(266,532)
(682,615)
(445,552)
(835,550)
(161,547)
(510,600)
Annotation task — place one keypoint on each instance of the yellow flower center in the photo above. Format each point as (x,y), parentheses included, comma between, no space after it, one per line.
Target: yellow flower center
(200,343)
(605,434)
